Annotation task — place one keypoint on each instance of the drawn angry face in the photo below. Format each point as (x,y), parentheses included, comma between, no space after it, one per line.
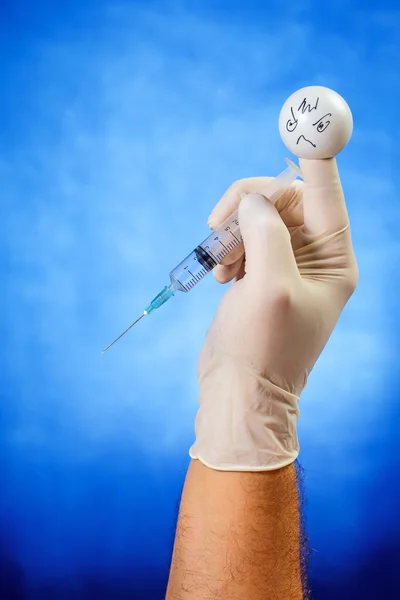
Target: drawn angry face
(320,124)
(315,122)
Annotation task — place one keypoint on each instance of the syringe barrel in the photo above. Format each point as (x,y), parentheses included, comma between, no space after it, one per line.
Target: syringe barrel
(223,240)
(207,255)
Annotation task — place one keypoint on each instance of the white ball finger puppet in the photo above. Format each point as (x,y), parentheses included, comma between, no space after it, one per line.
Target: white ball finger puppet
(315,122)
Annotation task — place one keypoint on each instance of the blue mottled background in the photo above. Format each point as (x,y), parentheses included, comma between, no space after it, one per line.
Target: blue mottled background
(122,123)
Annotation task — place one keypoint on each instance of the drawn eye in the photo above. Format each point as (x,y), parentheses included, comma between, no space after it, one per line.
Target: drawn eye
(322,126)
(322,123)
(291,125)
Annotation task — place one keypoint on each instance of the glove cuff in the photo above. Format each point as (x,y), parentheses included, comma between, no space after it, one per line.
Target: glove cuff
(245,422)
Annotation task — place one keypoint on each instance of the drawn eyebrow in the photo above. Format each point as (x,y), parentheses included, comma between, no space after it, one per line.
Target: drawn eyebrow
(327,115)
(304,106)
(294,118)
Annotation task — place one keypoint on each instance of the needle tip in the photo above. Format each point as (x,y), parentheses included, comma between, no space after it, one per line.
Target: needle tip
(126,330)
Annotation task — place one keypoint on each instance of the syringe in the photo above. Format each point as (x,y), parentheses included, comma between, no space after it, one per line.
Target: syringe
(213,249)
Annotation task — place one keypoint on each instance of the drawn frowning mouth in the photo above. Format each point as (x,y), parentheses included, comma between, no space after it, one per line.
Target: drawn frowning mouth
(304,138)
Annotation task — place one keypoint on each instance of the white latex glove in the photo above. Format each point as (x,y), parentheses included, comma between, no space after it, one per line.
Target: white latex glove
(298,272)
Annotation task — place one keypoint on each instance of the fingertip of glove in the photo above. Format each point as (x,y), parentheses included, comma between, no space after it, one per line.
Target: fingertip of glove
(211,221)
(253,198)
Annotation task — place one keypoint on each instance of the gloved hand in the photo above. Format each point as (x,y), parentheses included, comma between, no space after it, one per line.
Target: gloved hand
(288,290)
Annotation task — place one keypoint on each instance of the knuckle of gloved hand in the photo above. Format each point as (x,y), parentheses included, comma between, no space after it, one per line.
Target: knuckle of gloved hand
(351,278)
(222,274)
(279,298)
(218,275)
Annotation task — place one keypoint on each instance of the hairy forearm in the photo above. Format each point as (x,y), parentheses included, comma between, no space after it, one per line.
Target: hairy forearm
(237,536)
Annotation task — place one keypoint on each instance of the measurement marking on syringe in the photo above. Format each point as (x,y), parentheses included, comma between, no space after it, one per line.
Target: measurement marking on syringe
(235,237)
(223,245)
(222,254)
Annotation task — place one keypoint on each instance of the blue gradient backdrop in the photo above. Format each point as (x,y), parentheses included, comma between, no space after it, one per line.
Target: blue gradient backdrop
(122,123)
